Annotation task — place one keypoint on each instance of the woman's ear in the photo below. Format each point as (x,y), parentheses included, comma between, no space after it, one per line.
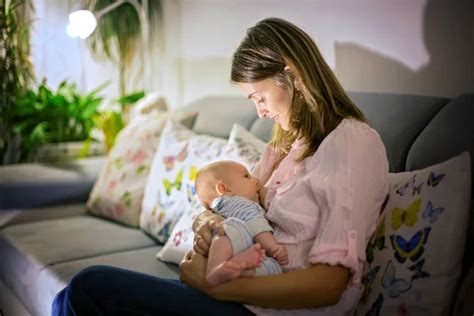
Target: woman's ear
(293,77)
(221,188)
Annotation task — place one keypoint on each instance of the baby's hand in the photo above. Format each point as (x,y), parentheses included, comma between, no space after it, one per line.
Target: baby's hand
(280,254)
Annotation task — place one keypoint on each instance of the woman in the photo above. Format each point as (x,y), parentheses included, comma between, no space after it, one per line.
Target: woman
(325,174)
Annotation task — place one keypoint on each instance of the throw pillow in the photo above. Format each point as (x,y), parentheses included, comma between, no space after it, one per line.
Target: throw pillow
(414,259)
(242,147)
(170,190)
(118,192)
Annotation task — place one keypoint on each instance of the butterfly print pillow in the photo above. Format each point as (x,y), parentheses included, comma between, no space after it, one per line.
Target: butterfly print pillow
(414,258)
(169,190)
(242,147)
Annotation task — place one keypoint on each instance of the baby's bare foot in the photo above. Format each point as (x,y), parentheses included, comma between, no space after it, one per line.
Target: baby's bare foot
(224,272)
(250,258)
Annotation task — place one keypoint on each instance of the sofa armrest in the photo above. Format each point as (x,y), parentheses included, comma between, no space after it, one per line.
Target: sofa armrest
(35,185)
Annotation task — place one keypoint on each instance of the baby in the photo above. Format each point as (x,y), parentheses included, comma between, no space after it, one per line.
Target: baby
(227,188)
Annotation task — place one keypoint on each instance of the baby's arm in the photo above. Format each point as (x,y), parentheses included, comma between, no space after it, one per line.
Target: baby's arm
(272,247)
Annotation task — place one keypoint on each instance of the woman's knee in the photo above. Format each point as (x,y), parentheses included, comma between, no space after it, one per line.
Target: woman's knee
(88,277)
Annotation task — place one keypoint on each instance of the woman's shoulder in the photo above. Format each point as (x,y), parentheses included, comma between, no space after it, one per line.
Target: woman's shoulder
(353,130)
(350,133)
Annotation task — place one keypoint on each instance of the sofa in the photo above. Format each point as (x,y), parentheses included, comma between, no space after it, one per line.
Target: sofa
(47,235)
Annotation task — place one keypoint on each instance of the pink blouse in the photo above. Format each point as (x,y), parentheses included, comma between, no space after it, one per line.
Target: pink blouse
(324,209)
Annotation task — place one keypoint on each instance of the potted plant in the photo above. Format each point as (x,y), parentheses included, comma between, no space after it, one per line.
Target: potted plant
(43,116)
(112,121)
(16,70)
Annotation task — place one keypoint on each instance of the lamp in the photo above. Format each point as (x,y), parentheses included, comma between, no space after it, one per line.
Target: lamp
(82,23)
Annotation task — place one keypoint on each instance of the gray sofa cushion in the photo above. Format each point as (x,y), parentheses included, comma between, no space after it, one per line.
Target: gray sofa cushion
(55,278)
(450,132)
(28,248)
(17,216)
(398,119)
(218,114)
(35,185)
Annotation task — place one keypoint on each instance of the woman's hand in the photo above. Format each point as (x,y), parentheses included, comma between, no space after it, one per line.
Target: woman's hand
(203,231)
(193,271)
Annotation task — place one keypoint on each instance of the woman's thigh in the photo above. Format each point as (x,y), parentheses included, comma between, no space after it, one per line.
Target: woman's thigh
(104,290)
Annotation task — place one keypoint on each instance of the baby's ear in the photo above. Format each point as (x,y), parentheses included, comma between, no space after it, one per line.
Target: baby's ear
(221,188)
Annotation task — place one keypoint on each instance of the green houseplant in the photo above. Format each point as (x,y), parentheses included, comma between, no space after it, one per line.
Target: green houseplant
(16,70)
(43,116)
(112,121)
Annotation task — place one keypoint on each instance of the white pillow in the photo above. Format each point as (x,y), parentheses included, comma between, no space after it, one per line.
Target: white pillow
(169,191)
(414,259)
(242,147)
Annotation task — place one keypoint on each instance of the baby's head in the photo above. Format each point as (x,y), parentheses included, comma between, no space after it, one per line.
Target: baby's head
(225,178)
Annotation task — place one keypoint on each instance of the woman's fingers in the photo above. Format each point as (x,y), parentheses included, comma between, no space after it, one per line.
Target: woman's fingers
(200,246)
(218,227)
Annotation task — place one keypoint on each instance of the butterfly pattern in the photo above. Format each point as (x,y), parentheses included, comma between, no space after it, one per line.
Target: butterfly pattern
(376,306)
(434,179)
(404,189)
(394,286)
(168,185)
(405,259)
(367,281)
(417,188)
(377,242)
(431,212)
(417,268)
(408,216)
(169,161)
(413,248)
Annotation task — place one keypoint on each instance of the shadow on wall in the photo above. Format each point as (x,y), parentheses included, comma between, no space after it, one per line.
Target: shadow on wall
(448,31)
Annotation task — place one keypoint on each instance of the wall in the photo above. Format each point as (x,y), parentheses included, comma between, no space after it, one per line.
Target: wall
(408,46)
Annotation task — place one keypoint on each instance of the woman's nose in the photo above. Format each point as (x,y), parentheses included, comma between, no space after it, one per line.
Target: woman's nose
(261,112)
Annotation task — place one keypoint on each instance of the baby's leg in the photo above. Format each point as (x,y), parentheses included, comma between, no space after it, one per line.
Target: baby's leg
(220,269)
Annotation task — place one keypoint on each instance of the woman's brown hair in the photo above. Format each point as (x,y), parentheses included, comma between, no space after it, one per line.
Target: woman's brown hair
(277,49)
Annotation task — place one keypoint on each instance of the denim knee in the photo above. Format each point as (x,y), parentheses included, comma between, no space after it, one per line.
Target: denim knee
(90,276)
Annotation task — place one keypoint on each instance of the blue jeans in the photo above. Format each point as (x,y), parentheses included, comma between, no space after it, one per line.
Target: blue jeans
(104,290)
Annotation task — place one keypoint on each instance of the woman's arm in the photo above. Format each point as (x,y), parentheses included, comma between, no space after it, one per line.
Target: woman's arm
(320,285)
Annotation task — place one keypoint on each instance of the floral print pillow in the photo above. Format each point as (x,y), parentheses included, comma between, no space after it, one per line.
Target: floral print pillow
(414,259)
(170,187)
(118,192)
(242,147)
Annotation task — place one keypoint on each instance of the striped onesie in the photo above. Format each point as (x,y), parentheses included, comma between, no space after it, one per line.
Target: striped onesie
(244,219)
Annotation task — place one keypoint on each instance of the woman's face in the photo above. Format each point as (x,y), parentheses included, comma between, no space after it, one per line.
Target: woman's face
(271,100)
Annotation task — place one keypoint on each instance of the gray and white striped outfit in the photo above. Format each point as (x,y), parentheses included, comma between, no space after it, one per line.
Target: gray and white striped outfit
(244,219)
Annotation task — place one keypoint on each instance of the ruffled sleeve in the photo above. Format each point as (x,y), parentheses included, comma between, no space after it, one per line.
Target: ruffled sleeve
(349,185)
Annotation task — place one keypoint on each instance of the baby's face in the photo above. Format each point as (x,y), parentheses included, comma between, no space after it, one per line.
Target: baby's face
(240,182)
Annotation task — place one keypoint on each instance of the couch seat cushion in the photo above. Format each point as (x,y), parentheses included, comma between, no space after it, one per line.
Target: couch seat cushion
(55,278)
(25,215)
(27,248)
